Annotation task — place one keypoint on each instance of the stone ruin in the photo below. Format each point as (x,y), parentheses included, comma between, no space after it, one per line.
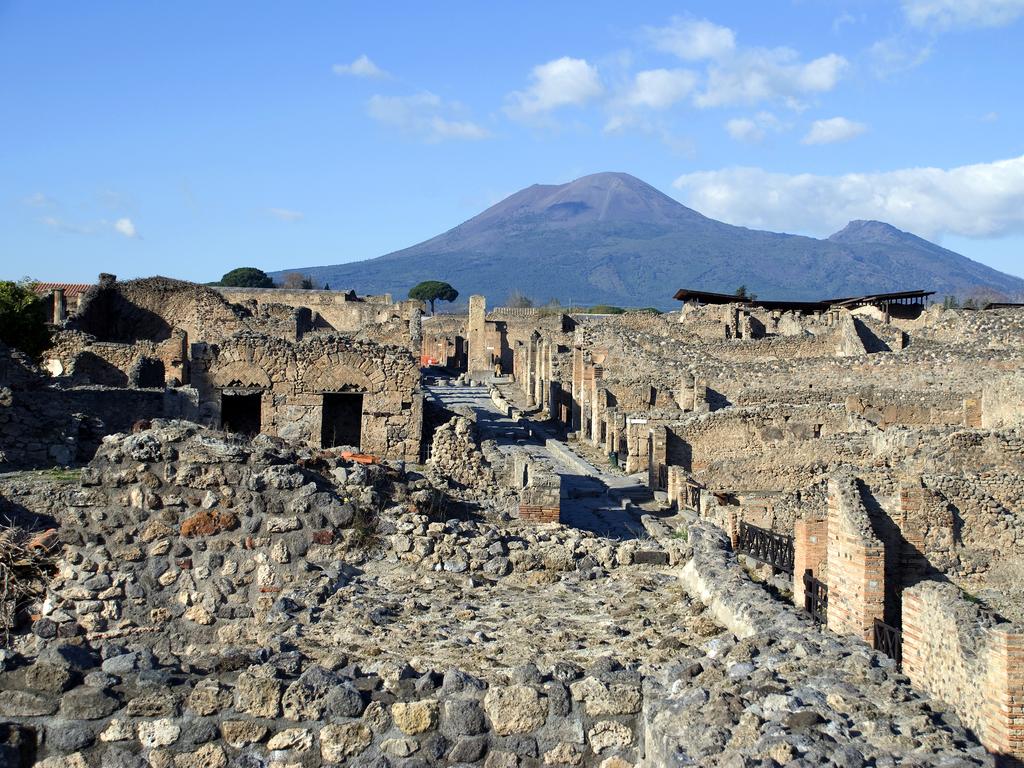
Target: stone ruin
(376,567)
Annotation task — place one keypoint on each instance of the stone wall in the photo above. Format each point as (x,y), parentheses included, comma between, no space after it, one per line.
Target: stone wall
(78,358)
(149,308)
(696,711)
(455,456)
(968,659)
(292,379)
(334,310)
(540,498)
(45,424)
(77,708)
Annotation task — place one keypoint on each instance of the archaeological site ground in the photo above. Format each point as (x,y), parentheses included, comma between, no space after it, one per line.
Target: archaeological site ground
(274,528)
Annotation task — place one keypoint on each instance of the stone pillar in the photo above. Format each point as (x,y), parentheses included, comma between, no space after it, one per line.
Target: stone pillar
(416,332)
(810,551)
(60,307)
(577,389)
(479,357)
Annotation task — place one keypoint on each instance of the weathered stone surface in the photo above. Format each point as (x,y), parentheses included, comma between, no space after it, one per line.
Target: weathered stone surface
(339,742)
(415,717)
(514,709)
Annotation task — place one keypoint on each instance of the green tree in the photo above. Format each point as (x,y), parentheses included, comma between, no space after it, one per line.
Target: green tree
(741,293)
(23,317)
(950,302)
(246,277)
(518,300)
(433,290)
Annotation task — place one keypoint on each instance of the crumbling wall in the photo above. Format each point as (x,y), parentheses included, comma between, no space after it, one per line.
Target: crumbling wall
(965,657)
(455,456)
(180,530)
(149,308)
(292,379)
(45,424)
(82,360)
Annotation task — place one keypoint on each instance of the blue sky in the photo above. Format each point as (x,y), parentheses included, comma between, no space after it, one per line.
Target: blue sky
(189,138)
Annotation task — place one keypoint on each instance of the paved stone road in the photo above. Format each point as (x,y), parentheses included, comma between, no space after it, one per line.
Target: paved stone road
(591,497)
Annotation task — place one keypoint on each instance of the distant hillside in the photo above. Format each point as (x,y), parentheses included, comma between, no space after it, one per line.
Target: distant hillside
(610,238)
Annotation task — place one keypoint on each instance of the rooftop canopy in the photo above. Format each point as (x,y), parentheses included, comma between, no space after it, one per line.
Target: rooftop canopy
(851,302)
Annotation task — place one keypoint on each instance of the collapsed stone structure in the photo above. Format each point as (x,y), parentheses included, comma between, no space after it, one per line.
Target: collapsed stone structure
(885,444)
(168,349)
(329,583)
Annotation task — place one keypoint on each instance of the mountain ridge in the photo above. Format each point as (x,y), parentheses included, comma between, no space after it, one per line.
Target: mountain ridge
(612,238)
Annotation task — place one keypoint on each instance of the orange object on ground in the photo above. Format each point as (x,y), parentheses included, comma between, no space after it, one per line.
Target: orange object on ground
(359,458)
(46,540)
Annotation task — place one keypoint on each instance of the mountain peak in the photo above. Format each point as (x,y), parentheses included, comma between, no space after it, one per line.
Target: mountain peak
(609,197)
(871,231)
(610,238)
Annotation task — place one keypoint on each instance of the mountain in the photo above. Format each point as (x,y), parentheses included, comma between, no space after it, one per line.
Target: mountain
(610,238)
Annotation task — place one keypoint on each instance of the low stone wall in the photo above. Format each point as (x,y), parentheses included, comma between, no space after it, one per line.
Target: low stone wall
(963,656)
(764,695)
(74,708)
(540,499)
(455,456)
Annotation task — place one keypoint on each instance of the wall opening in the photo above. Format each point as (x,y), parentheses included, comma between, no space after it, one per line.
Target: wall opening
(342,419)
(240,412)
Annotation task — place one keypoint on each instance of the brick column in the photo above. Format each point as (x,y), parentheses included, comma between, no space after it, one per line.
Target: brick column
(1003,722)
(856,566)
(810,550)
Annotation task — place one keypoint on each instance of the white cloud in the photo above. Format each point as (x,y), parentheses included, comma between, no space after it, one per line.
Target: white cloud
(559,83)
(946,14)
(989,117)
(744,129)
(752,130)
(361,67)
(832,130)
(423,115)
(982,200)
(442,128)
(660,88)
(286,214)
(38,200)
(64,226)
(126,227)
(693,39)
(896,54)
(762,74)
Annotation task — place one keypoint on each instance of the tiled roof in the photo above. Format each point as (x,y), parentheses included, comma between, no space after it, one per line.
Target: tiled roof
(70,289)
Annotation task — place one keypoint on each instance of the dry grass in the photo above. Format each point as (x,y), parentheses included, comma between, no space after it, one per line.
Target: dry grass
(27,561)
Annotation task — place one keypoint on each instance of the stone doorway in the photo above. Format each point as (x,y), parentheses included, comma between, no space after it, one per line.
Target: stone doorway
(342,420)
(240,412)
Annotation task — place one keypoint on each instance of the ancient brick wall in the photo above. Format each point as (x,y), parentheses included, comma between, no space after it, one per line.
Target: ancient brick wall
(964,657)
(856,563)
(810,552)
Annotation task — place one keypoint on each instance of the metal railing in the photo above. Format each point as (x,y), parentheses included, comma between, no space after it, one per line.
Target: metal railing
(889,640)
(774,549)
(815,598)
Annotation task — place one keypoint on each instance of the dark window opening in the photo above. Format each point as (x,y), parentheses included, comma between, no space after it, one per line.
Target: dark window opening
(240,412)
(342,419)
